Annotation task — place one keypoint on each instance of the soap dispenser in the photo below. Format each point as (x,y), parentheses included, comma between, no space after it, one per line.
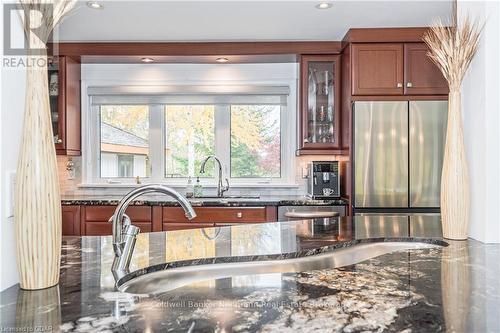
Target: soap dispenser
(198,189)
(189,188)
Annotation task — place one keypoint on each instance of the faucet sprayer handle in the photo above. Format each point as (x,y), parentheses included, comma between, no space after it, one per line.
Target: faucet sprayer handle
(126,220)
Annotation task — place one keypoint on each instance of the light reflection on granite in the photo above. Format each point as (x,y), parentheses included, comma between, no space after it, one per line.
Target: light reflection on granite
(429,290)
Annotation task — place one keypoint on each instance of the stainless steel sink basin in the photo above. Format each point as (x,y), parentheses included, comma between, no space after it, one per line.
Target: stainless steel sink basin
(169,279)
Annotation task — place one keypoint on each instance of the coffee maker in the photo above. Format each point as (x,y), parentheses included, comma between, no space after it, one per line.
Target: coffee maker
(324,180)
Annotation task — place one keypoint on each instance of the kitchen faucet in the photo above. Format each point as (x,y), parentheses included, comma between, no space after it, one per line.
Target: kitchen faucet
(220,188)
(124,233)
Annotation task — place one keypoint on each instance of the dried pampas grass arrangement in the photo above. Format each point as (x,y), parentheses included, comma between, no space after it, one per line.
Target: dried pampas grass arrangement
(37,211)
(452,47)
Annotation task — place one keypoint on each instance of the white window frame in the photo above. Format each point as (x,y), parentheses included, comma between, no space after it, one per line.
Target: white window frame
(91,146)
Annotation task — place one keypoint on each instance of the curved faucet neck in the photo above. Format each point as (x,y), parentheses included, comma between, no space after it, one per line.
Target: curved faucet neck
(127,199)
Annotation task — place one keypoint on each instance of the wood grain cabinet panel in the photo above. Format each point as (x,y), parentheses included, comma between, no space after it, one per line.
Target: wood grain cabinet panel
(103,213)
(217,214)
(105,229)
(95,219)
(377,69)
(172,226)
(422,76)
(71,220)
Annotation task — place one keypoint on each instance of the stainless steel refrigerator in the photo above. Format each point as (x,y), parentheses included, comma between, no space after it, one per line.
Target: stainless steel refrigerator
(398,156)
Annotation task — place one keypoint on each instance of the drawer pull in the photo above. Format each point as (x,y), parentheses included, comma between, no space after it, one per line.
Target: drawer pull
(239,215)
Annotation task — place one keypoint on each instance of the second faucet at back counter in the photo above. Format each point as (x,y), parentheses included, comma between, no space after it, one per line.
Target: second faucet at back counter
(220,187)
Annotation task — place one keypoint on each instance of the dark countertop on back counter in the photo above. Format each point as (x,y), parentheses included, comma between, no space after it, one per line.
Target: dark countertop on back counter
(155,200)
(431,289)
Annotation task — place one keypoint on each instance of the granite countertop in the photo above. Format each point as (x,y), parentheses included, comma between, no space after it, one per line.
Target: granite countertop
(449,288)
(156,200)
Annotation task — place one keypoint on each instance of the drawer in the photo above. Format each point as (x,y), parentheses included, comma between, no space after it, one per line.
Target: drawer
(171,226)
(104,229)
(103,213)
(217,214)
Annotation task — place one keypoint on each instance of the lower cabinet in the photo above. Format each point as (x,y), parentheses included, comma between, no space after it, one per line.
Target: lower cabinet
(216,216)
(71,220)
(93,220)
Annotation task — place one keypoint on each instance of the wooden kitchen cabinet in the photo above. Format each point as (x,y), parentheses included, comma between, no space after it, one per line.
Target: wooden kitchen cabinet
(422,76)
(320,104)
(394,69)
(64,94)
(174,218)
(95,219)
(70,220)
(172,226)
(377,69)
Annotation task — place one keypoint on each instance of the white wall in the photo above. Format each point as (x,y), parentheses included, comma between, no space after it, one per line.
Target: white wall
(11,117)
(481,115)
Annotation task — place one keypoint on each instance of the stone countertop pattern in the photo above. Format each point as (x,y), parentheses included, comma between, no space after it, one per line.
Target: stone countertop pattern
(155,200)
(452,288)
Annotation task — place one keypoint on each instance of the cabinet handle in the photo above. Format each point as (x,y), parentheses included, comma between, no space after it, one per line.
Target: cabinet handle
(409,85)
(239,215)
(399,85)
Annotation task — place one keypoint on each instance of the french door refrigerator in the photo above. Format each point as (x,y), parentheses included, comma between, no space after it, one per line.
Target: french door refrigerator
(398,156)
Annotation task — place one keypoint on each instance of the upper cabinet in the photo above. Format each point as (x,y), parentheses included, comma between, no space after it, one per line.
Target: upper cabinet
(422,77)
(395,69)
(320,104)
(64,95)
(377,69)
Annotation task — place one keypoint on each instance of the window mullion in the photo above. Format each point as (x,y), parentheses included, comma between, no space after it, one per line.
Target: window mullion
(223,136)
(156,142)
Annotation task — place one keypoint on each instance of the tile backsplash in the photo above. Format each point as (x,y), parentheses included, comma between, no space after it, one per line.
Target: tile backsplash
(71,187)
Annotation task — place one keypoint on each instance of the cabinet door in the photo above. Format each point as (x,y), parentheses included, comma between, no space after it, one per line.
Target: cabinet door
(216,214)
(96,219)
(64,96)
(320,101)
(172,226)
(377,69)
(422,76)
(71,220)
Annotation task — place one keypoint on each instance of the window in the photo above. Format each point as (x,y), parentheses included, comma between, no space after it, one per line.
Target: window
(189,138)
(255,141)
(124,141)
(165,136)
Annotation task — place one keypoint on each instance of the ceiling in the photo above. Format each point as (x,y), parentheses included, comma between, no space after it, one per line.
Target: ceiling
(258,20)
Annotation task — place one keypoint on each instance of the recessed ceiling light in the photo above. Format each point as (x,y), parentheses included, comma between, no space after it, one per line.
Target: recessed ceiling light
(324,5)
(222,59)
(94,5)
(147,60)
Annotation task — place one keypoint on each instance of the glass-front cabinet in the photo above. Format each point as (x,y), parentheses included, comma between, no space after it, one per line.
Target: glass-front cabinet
(55,109)
(64,95)
(320,104)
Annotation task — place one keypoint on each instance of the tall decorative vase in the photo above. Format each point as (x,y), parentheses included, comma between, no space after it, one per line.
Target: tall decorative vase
(37,212)
(454,178)
(452,47)
(37,200)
